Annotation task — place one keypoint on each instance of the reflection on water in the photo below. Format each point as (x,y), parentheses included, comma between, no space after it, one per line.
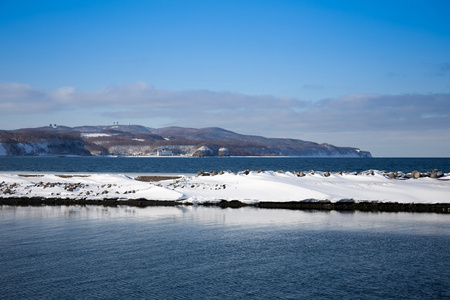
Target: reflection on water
(246,217)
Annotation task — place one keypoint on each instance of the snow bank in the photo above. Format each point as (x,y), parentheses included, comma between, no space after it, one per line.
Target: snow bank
(92,187)
(248,188)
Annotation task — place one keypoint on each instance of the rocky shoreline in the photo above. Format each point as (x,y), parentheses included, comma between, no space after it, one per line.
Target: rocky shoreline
(391,175)
(294,205)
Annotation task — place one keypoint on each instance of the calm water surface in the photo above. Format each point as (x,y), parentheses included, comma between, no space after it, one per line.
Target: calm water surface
(212,253)
(193,165)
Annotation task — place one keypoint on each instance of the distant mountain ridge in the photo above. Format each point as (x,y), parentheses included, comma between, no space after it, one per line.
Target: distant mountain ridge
(137,140)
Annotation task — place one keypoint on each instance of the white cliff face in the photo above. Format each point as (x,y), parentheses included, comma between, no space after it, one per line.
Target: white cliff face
(131,150)
(58,147)
(34,148)
(19,149)
(148,150)
(203,151)
(223,152)
(74,147)
(189,150)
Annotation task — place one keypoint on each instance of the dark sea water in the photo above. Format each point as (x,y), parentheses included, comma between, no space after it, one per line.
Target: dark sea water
(193,165)
(194,252)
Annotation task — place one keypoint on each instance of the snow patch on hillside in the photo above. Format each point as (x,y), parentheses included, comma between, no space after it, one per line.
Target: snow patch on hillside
(95,134)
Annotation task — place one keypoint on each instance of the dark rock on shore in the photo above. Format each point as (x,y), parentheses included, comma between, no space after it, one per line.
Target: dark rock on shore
(359,206)
(391,175)
(155,178)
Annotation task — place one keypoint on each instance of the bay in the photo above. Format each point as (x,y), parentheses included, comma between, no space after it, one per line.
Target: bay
(211,253)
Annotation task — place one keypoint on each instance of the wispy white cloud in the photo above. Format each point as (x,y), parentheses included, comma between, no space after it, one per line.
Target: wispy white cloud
(264,113)
(21,98)
(381,112)
(63,95)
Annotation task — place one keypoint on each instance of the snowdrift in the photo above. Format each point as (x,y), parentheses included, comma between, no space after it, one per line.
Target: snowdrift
(246,187)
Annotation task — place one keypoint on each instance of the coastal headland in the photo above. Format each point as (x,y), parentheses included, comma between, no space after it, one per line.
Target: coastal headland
(136,140)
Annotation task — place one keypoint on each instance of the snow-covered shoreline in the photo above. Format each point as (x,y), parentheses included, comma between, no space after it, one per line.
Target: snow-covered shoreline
(248,187)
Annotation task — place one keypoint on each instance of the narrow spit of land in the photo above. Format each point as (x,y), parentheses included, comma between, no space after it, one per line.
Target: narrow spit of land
(313,190)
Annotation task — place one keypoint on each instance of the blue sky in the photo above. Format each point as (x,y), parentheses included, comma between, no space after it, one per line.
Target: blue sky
(368,74)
